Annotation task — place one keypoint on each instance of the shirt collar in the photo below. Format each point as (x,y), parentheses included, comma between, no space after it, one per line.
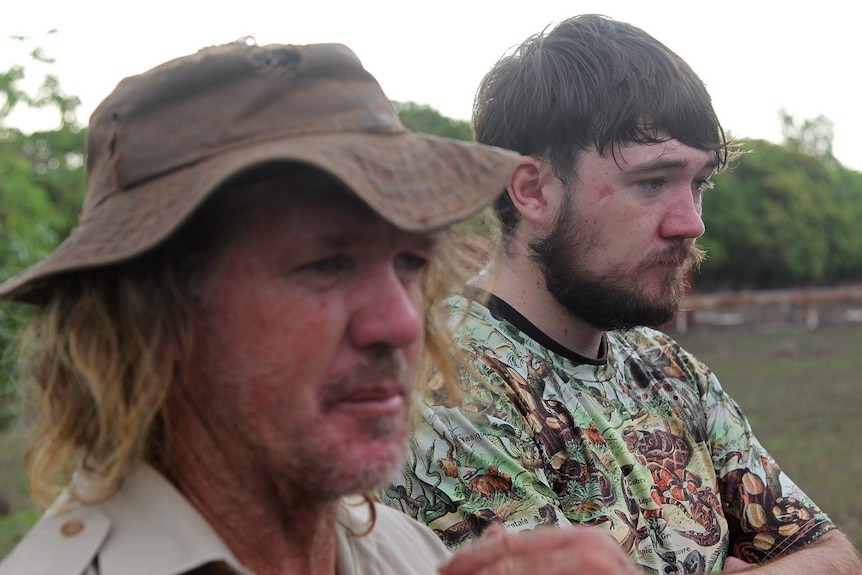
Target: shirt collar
(156,531)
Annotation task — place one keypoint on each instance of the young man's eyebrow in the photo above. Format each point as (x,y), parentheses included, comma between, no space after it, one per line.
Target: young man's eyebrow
(668,163)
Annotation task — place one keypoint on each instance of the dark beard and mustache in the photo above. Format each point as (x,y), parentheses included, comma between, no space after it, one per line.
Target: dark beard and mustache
(604,302)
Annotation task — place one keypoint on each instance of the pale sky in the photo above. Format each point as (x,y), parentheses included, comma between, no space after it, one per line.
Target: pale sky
(754,56)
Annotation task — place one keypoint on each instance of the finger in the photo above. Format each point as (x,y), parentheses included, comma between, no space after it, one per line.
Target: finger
(481,552)
(734,565)
(547,538)
(581,560)
(505,545)
(494,532)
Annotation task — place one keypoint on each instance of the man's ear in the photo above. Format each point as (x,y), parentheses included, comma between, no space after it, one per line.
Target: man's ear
(172,350)
(534,191)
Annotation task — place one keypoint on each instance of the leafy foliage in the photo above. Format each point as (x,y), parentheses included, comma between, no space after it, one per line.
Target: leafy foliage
(809,136)
(41,186)
(783,217)
(422,118)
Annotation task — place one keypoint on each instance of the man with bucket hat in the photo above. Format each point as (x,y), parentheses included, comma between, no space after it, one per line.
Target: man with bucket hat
(223,350)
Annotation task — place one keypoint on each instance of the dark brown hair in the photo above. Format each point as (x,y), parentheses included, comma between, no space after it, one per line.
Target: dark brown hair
(591,83)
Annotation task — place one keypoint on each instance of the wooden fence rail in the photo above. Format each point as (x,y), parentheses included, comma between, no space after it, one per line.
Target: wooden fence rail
(810,308)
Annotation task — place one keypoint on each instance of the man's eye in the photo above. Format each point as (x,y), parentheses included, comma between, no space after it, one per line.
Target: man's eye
(411,262)
(330,265)
(652,185)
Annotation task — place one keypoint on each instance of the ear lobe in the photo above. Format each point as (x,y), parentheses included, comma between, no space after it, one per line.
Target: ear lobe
(529,189)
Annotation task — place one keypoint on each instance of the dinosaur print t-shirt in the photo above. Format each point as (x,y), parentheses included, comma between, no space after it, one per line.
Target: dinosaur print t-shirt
(643,443)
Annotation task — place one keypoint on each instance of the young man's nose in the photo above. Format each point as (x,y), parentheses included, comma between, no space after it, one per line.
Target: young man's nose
(683,219)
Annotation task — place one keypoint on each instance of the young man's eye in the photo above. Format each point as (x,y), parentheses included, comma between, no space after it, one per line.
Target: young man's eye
(652,185)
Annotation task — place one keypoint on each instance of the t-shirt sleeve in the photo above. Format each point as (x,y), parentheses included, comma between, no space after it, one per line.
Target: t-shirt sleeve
(767,513)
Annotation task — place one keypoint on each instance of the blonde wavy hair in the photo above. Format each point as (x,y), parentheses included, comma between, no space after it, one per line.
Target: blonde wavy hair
(95,355)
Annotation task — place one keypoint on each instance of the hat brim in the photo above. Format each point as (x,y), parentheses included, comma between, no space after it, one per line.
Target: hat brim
(416,182)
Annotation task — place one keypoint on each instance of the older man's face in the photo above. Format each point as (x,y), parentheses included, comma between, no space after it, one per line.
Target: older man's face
(307,340)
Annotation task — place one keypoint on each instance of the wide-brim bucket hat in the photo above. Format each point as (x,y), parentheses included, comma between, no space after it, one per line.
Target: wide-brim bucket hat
(165,140)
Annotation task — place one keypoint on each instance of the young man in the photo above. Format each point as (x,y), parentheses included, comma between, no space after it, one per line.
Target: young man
(572,411)
(225,346)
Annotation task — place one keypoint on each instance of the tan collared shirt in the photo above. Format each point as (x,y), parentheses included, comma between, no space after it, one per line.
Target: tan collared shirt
(149,528)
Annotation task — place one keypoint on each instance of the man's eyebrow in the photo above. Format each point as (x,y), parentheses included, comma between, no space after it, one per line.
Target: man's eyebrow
(332,238)
(427,240)
(343,238)
(669,164)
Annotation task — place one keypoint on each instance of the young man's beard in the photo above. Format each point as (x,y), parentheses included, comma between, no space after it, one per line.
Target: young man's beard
(603,301)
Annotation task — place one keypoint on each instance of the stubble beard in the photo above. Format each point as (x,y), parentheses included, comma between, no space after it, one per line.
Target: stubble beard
(606,301)
(335,473)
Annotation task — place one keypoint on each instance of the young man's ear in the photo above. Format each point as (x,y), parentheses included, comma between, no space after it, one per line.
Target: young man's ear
(535,191)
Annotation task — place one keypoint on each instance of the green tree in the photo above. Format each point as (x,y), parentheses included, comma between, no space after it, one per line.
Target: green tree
(41,186)
(422,118)
(784,216)
(812,137)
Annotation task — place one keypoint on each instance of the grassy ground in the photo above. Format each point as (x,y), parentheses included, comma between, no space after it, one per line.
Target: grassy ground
(801,390)
(13,490)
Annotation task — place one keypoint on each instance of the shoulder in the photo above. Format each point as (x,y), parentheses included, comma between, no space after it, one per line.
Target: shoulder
(465,312)
(652,345)
(60,543)
(397,543)
(397,527)
(645,338)
(146,528)
(649,353)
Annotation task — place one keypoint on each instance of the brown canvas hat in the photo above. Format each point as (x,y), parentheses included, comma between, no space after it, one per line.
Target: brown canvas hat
(163,141)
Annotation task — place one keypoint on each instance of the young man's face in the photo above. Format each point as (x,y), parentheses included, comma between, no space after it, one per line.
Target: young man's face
(307,339)
(620,252)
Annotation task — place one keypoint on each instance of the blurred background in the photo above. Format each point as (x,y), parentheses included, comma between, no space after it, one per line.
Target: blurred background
(776,309)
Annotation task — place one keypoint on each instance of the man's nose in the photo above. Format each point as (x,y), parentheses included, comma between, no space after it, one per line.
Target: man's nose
(683,219)
(389,312)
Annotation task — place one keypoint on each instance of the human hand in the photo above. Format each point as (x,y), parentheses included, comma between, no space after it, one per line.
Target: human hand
(734,565)
(549,551)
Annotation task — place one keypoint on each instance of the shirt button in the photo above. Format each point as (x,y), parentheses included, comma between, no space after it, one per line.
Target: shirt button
(71,528)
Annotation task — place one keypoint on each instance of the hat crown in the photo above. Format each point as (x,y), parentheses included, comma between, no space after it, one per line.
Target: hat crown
(225,97)
(164,141)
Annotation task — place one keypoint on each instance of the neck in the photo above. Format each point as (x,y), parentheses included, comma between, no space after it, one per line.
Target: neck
(516,279)
(269,529)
